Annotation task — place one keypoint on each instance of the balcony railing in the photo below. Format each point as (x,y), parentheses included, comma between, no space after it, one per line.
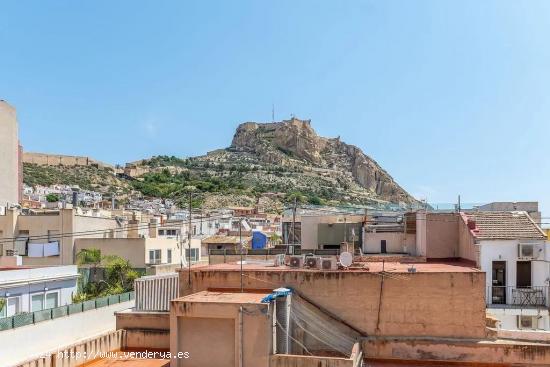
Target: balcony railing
(518,296)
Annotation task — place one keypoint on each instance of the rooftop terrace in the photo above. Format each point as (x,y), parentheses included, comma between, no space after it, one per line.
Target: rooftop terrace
(223,297)
(364,267)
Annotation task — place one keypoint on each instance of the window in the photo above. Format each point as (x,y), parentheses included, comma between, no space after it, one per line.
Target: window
(44,301)
(52,300)
(154,257)
(168,232)
(523,274)
(194,254)
(37,302)
(169,256)
(53,235)
(11,307)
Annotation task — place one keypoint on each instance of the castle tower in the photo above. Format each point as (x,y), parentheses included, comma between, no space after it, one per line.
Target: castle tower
(10,174)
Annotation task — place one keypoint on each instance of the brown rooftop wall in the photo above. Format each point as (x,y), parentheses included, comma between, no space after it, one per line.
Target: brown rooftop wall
(441,235)
(420,304)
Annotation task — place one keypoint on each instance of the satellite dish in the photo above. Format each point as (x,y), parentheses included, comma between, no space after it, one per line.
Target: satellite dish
(346,259)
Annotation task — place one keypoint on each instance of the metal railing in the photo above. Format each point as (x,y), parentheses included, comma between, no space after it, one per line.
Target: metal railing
(28,318)
(517,296)
(276,251)
(154,293)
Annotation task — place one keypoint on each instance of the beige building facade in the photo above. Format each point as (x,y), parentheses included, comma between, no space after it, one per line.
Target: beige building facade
(55,230)
(10,175)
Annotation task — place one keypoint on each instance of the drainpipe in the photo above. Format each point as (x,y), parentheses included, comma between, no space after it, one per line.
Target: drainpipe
(241,333)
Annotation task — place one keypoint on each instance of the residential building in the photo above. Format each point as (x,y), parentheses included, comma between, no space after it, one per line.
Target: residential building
(515,256)
(142,252)
(46,237)
(221,242)
(390,233)
(11,163)
(323,231)
(531,207)
(29,289)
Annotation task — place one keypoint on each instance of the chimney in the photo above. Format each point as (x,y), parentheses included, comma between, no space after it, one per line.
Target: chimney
(133,228)
(153,224)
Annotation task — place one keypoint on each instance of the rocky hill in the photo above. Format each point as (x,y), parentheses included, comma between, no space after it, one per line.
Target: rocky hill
(295,144)
(267,164)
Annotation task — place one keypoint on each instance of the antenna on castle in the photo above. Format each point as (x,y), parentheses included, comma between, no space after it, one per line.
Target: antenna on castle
(273,112)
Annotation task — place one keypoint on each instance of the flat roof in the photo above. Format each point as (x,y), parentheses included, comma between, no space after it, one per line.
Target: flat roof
(364,267)
(223,297)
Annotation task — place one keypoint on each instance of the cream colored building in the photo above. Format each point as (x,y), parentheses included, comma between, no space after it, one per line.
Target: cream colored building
(140,252)
(47,237)
(10,175)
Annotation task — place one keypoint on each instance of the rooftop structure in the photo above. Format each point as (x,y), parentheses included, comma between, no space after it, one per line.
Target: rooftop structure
(503,225)
(10,164)
(30,289)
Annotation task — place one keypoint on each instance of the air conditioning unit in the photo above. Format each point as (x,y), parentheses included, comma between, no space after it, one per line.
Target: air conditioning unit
(329,264)
(527,251)
(296,261)
(527,322)
(313,262)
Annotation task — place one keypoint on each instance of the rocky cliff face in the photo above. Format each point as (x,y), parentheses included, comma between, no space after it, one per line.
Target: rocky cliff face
(294,143)
(268,164)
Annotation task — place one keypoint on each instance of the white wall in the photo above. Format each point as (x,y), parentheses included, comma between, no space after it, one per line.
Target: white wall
(395,242)
(508,317)
(507,250)
(421,234)
(22,283)
(65,289)
(33,340)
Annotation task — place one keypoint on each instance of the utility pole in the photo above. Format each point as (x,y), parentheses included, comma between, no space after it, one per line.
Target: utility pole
(201,222)
(294,222)
(189,239)
(459,204)
(241,248)
(180,240)
(345,230)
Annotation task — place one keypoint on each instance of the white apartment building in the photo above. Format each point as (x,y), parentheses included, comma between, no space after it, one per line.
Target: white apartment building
(514,254)
(27,289)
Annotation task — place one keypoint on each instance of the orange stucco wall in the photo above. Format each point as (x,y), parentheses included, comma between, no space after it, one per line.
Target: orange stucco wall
(441,235)
(486,353)
(218,334)
(447,236)
(421,304)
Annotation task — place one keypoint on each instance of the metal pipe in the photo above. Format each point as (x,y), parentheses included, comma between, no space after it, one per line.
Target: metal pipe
(241,332)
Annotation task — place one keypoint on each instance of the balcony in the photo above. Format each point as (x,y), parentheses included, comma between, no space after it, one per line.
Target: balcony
(517,297)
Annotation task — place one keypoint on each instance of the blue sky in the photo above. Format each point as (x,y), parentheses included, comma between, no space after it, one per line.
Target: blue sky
(449,96)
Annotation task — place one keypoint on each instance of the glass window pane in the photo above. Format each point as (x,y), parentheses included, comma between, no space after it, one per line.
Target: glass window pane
(52,300)
(12,306)
(37,302)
